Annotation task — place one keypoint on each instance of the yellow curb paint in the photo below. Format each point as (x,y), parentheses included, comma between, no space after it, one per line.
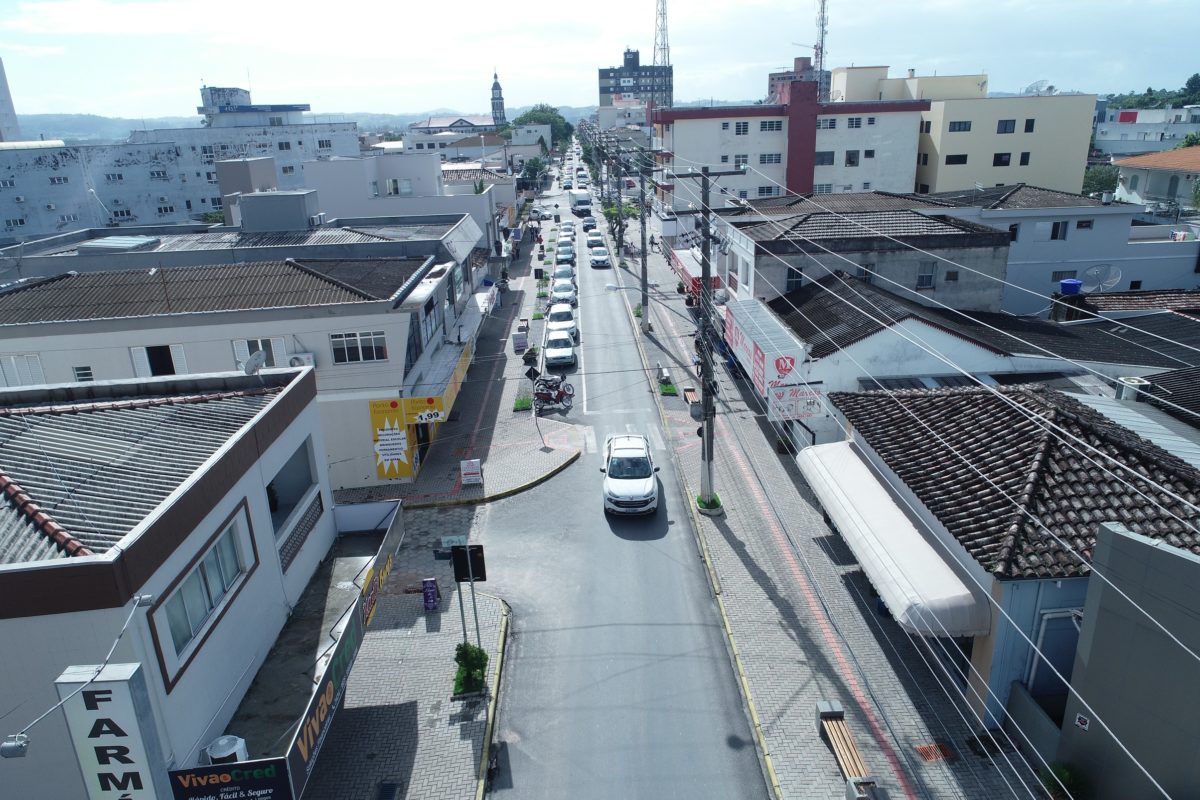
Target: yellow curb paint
(760,738)
(481,786)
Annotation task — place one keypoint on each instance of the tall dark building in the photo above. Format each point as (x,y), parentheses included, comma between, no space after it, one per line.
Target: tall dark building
(497,101)
(636,81)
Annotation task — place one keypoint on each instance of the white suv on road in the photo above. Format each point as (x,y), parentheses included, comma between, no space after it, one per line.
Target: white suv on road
(630,486)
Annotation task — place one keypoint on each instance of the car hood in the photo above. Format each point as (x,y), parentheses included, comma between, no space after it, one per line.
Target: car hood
(569,325)
(558,352)
(626,489)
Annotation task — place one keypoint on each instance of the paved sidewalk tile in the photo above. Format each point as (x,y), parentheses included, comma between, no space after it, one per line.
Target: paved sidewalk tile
(801,611)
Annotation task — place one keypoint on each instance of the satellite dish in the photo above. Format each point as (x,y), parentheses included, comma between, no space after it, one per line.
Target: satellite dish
(1037,87)
(1100,278)
(254,363)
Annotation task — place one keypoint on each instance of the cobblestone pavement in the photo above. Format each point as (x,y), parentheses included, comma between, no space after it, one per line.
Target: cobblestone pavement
(801,611)
(398,724)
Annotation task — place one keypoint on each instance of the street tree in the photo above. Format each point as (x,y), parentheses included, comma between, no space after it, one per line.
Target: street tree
(1101,178)
(545,114)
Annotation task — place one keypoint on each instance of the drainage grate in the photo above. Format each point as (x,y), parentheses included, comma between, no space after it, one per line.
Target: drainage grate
(935,752)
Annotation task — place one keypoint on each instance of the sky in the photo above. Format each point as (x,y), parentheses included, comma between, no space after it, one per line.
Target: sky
(149,58)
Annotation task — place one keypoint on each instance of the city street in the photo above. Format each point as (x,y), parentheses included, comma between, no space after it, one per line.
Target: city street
(617,681)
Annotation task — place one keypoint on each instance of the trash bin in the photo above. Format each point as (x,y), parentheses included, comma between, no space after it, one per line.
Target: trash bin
(538,273)
(556,217)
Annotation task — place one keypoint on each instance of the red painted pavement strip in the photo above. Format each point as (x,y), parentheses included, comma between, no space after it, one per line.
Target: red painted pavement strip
(815,607)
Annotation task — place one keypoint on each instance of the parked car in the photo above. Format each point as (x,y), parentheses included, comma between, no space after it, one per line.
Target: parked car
(561,317)
(536,213)
(589,223)
(567,228)
(563,272)
(629,483)
(563,291)
(595,239)
(565,256)
(560,350)
(600,257)
(567,184)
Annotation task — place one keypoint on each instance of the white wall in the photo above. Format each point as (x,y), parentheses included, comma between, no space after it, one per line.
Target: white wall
(529,135)
(695,142)
(893,138)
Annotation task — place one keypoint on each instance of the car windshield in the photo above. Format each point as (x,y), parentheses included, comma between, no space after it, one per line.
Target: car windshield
(563,273)
(599,252)
(563,286)
(558,342)
(629,467)
(561,316)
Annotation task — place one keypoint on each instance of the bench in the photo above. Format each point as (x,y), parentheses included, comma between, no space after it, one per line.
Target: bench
(831,725)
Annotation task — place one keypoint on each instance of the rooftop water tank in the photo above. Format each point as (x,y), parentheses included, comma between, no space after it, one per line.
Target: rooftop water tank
(1070,285)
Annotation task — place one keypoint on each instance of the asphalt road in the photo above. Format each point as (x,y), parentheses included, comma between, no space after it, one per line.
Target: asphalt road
(617,681)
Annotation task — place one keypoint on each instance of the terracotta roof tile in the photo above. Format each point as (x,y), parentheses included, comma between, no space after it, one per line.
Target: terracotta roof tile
(1185,159)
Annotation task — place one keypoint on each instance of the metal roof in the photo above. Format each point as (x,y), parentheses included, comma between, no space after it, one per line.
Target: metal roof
(1150,424)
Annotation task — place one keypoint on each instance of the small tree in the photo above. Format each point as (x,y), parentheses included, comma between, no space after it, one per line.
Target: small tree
(533,168)
(1191,140)
(1101,178)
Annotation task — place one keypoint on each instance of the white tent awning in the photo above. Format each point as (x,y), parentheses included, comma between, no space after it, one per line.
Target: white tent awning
(924,595)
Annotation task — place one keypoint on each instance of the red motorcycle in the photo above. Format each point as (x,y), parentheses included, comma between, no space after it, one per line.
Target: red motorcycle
(546,395)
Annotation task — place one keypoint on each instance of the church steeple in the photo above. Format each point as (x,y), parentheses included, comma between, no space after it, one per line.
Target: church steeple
(497,101)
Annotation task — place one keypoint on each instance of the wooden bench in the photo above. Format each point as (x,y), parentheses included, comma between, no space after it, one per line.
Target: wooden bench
(831,724)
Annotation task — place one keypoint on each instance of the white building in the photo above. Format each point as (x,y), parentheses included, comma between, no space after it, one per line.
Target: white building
(207,497)
(157,176)
(1134,131)
(1163,180)
(540,135)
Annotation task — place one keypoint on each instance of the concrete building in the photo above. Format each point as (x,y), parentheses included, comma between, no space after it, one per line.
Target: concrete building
(1164,180)
(968,138)
(194,508)
(623,114)
(461,124)
(635,81)
(536,135)
(802,70)
(795,147)
(10,130)
(1134,131)
(157,176)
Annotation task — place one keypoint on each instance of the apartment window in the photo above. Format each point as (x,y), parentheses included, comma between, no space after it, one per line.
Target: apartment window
(724,159)
(211,177)
(349,348)
(826,123)
(740,160)
(206,588)
(58,180)
(769,125)
(1001,159)
(14,222)
(420,146)
(1135,286)
(926,126)
(958,158)
(724,126)
(851,158)
(8,183)
(870,120)
(1133,183)
(741,128)
(21,369)
(824,158)
(68,218)
(285,145)
(743,194)
(951,275)
(83,374)
(324,144)
(854,122)
(1062,275)
(122,213)
(1006,126)
(923,159)
(289,170)
(866,273)
(188,203)
(770,158)
(848,187)
(274,122)
(1058,231)
(275,350)
(217,202)
(795,279)
(290,485)
(1013,232)
(868,153)
(925,274)
(158,174)
(1029,126)
(960,126)
(206,152)
(1025,159)
(768,191)
(163,210)
(1084,224)
(163,359)
(823,188)
(866,186)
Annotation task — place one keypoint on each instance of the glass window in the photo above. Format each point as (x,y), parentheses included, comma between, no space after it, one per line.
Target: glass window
(1006,126)
(353,347)
(741,128)
(925,274)
(826,123)
(851,158)
(960,126)
(960,158)
(1025,159)
(202,591)
(854,122)
(824,158)
(1029,126)
(1001,159)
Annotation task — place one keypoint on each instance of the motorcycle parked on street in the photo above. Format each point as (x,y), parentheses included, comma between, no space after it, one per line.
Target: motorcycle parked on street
(547,396)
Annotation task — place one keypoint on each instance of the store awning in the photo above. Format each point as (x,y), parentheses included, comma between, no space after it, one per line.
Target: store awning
(922,592)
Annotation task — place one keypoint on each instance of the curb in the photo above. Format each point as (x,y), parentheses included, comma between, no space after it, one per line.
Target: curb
(760,738)
(471,501)
(485,751)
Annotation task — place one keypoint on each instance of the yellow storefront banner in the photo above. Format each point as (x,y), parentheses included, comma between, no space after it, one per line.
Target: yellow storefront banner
(394,444)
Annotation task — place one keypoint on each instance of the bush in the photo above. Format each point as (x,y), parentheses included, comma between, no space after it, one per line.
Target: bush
(1060,776)
(668,389)
(716,502)
(472,664)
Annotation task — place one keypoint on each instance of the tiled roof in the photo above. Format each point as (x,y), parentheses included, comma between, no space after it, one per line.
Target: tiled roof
(1150,300)
(77,476)
(446,121)
(1176,390)
(967,454)
(480,140)
(1185,159)
(819,225)
(377,277)
(452,175)
(841,310)
(1018,195)
(178,290)
(839,203)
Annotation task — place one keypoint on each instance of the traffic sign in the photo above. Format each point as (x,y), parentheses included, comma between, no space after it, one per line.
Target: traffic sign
(532,373)
(468,563)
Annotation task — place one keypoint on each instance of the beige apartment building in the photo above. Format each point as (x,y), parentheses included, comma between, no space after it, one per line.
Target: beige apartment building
(968,138)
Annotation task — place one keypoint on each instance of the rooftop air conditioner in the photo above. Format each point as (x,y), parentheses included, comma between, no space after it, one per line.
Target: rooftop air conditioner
(302,360)
(162,198)
(19,198)
(49,206)
(227,750)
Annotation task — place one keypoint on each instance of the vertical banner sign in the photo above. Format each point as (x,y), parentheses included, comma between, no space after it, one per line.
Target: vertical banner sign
(113,732)
(389,435)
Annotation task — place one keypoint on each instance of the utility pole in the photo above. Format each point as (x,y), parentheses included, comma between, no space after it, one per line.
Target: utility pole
(708,501)
(643,167)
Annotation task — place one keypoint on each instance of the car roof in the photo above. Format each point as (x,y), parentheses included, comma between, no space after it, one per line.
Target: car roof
(600,249)
(560,307)
(560,335)
(629,441)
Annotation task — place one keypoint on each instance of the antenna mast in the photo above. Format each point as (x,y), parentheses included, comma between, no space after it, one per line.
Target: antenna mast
(819,52)
(662,55)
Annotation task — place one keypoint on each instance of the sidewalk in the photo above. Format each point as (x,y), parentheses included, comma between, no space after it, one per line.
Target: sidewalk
(516,453)
(799,614)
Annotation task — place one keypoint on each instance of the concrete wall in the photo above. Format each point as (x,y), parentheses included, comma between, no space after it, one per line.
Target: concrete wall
(893,138)
(1150,186)
(530,134)
(203,701)
(1141,684)
(696,142)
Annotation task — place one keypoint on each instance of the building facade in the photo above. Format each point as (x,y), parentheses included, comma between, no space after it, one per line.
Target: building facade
(1163,180)
(802,70)
(1134,131)
(634,81)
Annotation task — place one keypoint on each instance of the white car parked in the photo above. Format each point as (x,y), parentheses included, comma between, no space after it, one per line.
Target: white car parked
(595,239)
(629,483)
(561,317)
(600,257)
(563,291)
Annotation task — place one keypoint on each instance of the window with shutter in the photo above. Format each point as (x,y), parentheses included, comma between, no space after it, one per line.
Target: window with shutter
(141,362)
(21,370)
(178,360)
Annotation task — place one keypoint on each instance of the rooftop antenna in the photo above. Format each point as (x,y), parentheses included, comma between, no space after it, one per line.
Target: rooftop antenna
(662,55)
(1100,278)
(819,52)
(254,363)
